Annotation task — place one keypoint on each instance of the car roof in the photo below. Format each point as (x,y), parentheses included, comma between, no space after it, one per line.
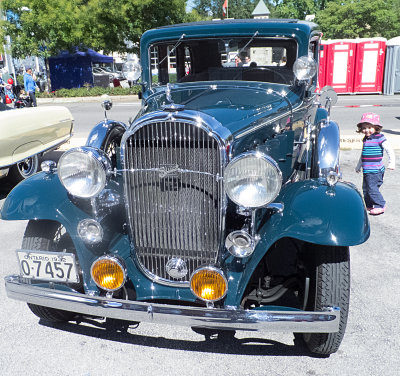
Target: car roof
(286,28)
(270,26)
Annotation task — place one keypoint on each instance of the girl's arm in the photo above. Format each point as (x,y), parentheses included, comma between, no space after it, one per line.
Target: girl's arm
(390,153)
(359,164)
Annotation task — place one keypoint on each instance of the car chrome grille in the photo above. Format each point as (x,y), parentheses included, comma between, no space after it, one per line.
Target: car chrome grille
(174,189)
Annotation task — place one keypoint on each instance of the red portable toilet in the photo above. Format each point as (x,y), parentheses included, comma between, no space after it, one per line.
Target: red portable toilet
(323,53)
(340,65)
(370,64)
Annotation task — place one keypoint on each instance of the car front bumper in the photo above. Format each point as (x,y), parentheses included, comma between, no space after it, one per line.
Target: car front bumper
(213,318)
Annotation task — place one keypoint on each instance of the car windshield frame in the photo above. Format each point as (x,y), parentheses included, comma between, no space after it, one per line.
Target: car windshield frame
(200,59)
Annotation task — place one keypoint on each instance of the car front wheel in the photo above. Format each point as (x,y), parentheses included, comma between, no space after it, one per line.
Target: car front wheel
(49,236)
(328,270)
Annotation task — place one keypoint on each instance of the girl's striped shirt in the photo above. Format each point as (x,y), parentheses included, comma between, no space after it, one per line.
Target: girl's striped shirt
(372,153)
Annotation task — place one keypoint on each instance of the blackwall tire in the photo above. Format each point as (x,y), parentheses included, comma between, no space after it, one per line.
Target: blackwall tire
(24,169)
(48,236)
(329,273)
(51,314)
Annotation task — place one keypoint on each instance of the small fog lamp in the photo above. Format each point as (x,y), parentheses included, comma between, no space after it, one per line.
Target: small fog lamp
(108,273)
(208,283)
(90,231)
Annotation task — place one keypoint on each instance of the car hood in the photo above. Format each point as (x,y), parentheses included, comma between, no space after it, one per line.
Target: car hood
(235,106)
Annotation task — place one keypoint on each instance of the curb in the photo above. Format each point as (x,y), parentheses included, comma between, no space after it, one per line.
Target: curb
(349,142)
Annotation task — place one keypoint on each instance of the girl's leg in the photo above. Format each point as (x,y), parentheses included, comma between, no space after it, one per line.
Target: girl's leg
(365,188)
(373,182)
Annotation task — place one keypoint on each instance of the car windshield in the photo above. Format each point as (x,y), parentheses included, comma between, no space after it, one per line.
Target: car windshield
(249,58)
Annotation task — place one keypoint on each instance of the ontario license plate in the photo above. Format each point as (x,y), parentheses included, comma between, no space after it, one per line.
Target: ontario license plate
(48,266)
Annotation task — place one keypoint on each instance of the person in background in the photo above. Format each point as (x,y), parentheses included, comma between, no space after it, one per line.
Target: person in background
(30,86)
(9,91)
(2,85)
(247,61)
(374,143)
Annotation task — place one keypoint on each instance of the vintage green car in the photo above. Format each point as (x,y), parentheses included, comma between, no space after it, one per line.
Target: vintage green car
(220,206)
(27,133)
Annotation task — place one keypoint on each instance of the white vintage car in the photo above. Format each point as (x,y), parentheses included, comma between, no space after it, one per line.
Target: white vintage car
(27,133)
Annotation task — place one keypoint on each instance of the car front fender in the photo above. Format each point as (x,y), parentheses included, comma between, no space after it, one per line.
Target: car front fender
(99,136)
(317,213)
(42,196)
(314,213)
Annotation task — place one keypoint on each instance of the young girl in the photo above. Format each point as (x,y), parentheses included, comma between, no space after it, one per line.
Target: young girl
(374,143)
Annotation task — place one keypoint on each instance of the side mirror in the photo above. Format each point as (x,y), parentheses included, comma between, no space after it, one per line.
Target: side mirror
(327,98)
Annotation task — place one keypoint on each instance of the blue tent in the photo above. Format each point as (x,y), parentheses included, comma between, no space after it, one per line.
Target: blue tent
(70,70)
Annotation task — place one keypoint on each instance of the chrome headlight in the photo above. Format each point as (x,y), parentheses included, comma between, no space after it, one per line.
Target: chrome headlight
(252,180)
(83,171)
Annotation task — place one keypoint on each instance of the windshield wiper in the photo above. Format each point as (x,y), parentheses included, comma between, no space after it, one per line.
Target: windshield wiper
(173,49)
(245,46)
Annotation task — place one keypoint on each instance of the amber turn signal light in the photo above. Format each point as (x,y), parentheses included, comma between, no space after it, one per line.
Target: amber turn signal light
(208,283)
(108,273)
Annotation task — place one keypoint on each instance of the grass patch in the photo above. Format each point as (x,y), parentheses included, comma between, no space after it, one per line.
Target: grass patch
(90,92)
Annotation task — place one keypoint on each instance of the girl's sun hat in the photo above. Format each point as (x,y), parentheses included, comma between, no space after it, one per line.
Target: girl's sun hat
(370,118)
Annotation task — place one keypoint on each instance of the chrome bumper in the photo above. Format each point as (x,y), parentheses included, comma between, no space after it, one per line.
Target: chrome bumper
(228,319)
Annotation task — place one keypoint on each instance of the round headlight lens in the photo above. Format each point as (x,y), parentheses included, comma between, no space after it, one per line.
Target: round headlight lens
(305,68)
(83,171)
(252,180)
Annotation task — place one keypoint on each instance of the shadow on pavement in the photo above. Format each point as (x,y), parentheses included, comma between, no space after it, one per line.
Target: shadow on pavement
(218,345)
(390,131)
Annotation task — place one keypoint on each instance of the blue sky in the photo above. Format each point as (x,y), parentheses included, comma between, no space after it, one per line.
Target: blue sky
(189,5)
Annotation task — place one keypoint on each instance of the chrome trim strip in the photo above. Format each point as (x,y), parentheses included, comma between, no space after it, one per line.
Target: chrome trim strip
(228,318)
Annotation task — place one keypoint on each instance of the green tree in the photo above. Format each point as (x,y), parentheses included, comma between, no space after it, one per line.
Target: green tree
(141,15)
(43,28)
(296,8)
(360,18)
(49,26)
(209,9)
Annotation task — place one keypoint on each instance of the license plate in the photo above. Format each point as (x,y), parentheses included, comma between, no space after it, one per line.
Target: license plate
(48,266)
